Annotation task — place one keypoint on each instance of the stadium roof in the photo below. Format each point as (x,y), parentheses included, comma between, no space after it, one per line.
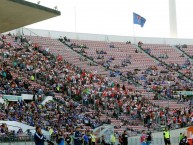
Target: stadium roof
(19,13)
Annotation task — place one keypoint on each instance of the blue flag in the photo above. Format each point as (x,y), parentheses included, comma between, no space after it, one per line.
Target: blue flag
(137,19)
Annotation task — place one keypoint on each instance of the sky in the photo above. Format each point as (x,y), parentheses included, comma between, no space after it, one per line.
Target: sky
(115,17)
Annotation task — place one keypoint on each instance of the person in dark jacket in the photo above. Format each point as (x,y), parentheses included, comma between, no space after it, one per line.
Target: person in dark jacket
(89,139)
(39,137)
(125,138)
(86,139)
(184,141)
(68,140)
(148,138)
(60,139)
(77,137)
(103,141)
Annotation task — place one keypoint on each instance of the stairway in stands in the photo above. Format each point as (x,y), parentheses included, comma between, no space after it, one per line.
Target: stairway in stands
(186,51)
(174,57)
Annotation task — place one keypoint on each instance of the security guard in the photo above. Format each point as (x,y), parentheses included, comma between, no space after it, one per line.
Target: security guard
(113,139)
(181,136)
(89,139)
(51,131)
(93,138)
(167,137)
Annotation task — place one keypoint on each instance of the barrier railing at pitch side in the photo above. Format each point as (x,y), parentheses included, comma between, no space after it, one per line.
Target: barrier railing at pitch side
(18,140)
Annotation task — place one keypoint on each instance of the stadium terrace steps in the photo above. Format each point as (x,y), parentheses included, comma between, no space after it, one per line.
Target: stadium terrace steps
(70,56)
(120,52)
(172,104)
(140,60)
(188,50)
(180,51)
(173,55)
(115,79)
(104,45)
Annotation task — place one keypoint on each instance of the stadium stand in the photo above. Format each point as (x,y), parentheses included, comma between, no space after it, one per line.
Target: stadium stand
(153,76)
(90,84)
(39,51)
(83,90)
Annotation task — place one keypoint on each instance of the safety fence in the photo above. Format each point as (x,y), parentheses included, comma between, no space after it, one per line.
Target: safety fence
(18,140)
(155,141)
(28,140)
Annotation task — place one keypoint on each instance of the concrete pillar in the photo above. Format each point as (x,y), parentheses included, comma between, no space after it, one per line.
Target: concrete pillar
(172,19)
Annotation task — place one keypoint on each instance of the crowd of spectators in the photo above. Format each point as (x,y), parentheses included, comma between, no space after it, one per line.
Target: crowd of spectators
(61,77)
(163,83)
(82,97)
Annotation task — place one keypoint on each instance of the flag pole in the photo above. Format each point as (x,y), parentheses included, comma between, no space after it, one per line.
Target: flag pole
(75,29)
(134,39)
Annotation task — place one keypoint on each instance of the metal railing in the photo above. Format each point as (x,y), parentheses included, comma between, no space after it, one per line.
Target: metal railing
(18,140)
(29,140)
(31,32)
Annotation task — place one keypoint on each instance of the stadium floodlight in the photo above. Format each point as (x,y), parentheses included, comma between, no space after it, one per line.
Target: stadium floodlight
(56,8)
(38,2)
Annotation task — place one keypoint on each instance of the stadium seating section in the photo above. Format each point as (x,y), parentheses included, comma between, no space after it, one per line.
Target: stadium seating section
(130,86)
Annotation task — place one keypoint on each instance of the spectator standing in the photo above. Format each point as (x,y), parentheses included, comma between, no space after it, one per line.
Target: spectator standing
(148,138)
(60,139)
(125,138)
(77,137)
(184,141)
(143,138)
(120,140)
(86,139)
(103,141)
(39,137)
(68,140)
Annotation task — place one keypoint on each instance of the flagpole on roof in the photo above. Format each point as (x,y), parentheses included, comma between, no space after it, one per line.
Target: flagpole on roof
(134,39)
(75,19)
(75,29)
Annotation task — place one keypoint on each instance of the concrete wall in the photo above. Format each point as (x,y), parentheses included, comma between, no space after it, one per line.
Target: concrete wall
(16,98)
(158,137)
(101,37)
(20,143)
